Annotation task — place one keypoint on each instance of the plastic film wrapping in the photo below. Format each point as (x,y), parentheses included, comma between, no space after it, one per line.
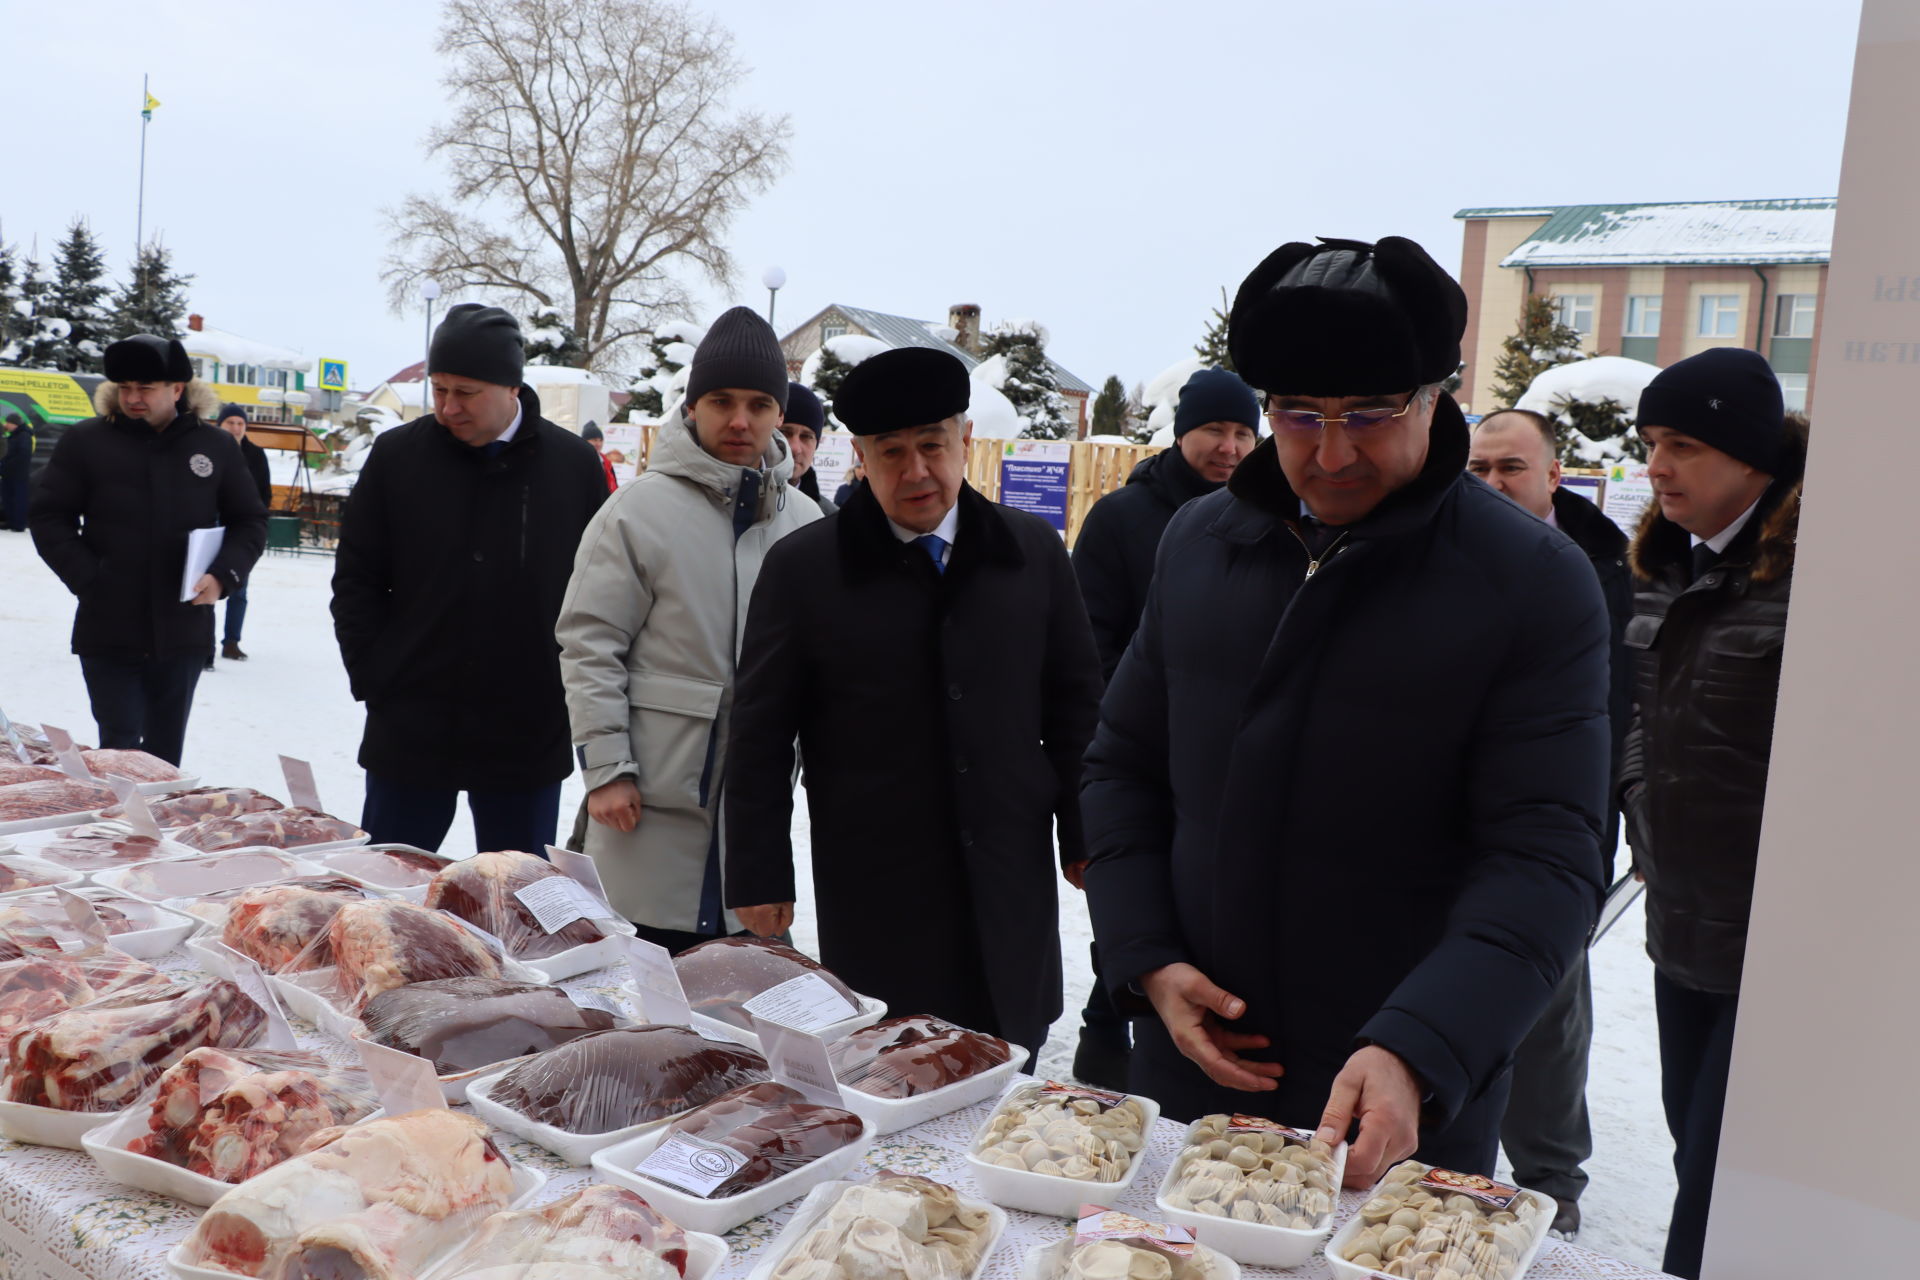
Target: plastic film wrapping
(101,846)
(390,866)
(212,906)
(893,1227)
(1254,1170)
(134,766)
(376,944)
(722,975)
(480,889)
(38,922)
(1088,1135)
(628,1076)
(13,773)
(599,1233)
(903,1057)
(284,927)
(207,874)
(273,829)
(773,1128)
(52,798)
(21,873)
(464,1024)
(1421,1220)
(184,808)
(35,987)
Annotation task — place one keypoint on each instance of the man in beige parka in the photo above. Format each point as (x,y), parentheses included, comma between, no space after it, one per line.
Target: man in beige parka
(651,628)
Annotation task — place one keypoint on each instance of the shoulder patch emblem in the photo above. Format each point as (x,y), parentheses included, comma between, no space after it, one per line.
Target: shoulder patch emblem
(201,465)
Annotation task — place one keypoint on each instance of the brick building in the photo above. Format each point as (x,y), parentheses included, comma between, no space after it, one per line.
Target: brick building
(1653,282)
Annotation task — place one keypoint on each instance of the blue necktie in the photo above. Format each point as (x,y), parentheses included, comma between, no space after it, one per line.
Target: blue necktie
(935,546)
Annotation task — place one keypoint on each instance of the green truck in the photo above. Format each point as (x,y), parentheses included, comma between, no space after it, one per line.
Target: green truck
(49,401)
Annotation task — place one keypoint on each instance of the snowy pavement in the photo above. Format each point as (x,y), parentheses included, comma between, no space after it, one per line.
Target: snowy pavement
(291,697)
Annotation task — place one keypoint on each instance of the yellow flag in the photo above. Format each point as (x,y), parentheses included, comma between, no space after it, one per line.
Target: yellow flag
(146,112)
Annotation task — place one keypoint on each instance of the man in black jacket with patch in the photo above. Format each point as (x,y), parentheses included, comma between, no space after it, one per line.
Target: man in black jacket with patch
(930,651)
(455,552)
(1345,800)
(111,515)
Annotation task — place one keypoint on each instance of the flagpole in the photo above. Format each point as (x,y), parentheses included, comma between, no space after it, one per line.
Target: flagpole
(140,214)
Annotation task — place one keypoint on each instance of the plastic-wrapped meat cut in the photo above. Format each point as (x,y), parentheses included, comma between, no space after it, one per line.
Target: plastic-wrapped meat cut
(184,808)
(54,798)
(463,1024)
(212,907)
(382,943)
(229,1115)
(134,766)
(31,922)
(630,1075)
(722,975)
(13,773)
(283,927)
(774,1127)
(100,1056)
(272,829)
(36,987)
(902,1057)
(15,874)
(388,867)
(100,846)
(372,1202)
(194,877)
(481,889)
(597,1233)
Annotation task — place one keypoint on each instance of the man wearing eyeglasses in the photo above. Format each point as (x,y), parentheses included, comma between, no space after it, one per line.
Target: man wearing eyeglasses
(1344,804)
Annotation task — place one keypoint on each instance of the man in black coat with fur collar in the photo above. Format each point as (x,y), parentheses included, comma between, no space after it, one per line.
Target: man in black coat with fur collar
(1344,804)
(930,651)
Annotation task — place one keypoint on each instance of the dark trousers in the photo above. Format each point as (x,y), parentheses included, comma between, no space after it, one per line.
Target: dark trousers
(1696,1052)
(519,818)
(1546,1131)
(1100,1020)
(236,615)
(14,491)
(142,703)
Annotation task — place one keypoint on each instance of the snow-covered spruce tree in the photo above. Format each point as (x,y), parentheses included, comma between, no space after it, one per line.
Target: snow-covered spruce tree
(552,341)
(1540,343)
(668,349)
(1110,409)
(79,297)
(154,298)
(1136,428)
(1030,384)
(1213,347)
(1595,432)
(40,333)
(13,323)
(827,378)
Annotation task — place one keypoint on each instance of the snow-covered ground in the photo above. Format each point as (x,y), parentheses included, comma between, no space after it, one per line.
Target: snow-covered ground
(291,697)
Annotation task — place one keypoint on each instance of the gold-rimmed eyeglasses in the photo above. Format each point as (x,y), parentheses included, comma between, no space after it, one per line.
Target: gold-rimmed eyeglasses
(1358,422)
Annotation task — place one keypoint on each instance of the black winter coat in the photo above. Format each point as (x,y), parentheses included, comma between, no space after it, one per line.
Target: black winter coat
(111,513)
(1606,546)
(18,458)
(1706,684)
(941,719)
(256,460)
(1366,798)
(446,587)
(1113,556)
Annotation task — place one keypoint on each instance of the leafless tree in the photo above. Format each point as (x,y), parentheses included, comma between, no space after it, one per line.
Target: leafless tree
(593,155)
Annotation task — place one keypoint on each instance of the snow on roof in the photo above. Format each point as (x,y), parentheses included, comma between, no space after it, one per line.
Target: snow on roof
(902,331)
(231,348)
(1613,378)
(1694,234)
(1546,211)
(560,375)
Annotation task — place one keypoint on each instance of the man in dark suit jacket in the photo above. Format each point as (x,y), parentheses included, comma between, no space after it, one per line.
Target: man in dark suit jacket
(233,421)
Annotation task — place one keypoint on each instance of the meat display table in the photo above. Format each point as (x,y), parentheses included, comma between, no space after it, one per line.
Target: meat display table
(62,1218)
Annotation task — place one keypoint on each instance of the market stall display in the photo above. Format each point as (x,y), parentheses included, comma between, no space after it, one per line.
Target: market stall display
(186,807)
(38,986)
(1262,1192)
(1048,1147)
(26,803)
(599,1233)
(272,829)
(467,1024)
(482,890)
(381,943)
(720,976)
(892,1227)
(283,927)
(1421,1219)
(103,845)
(387,866)
(134,766)
(41,922)
(200,875)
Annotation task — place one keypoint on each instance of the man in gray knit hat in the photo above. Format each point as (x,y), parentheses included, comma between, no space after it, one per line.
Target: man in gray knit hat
(650,627)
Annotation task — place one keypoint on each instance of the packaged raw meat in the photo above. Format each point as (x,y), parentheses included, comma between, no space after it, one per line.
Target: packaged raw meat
(184,808)
(464,1024)
(774,1127)
(283,927)
(376,1201)
(39,986)
(196,876)
(28,873)
(389,866)
(134,766)
(627,1076)
(228,1114)
(481,889)
(902,1057)
(12,773)
(721,975)
(382,943)
(212,907)
(100,1056)
(38,922)
(100,846)
(597,1233)
(271,829)
(892,1227)
(53,798)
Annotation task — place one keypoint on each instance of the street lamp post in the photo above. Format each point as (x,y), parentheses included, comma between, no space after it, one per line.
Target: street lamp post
(775,279)
(429,290)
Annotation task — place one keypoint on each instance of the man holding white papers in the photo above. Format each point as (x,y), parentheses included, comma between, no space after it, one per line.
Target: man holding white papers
(112,514)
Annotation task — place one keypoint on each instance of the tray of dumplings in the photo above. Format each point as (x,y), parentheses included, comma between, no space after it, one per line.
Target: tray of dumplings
(891,1226)
(1111,1244)
(1257,1190)
(1048,1146)
(1423,1221)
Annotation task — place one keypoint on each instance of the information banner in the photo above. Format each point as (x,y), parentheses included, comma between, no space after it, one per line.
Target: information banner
(623,449)
(1627,494)
(1589,487)
(1033,477)
(832,459)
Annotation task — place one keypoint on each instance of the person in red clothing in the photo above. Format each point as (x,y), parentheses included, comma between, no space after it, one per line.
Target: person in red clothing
(592,434)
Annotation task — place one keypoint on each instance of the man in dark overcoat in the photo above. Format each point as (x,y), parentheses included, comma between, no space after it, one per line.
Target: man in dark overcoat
(1344,804)
(929,650)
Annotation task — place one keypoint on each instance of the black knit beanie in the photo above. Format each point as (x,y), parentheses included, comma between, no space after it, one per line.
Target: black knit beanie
(1726,397)
(805,410)
(233,411)
(1215,395)
(478,342)
(739,351)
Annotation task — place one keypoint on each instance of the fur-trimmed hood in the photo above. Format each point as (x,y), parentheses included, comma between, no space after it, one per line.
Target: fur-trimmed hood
(199,399)
(1766,544)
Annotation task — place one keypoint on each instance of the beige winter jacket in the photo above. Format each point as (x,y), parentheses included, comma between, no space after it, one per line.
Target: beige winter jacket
(648,636)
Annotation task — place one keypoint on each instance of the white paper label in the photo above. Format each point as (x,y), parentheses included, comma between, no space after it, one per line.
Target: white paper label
(250,978)
(12,735)
(138,816)
(85,920)
(807,1003)
(557,901)
(798,1059)
(663,1001)
(302,791)
(62,743)
(404,1082)
(691,1164)
(581,867)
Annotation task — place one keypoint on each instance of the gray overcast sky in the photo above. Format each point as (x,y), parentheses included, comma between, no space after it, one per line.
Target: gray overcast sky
(1103,168)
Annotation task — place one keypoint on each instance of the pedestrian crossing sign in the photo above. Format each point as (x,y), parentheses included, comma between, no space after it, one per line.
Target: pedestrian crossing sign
(333,375)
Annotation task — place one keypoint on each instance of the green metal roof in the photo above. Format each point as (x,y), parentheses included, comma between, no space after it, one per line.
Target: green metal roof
(1687,233)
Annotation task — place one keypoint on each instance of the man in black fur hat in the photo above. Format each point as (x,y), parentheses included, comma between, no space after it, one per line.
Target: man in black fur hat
(1345,801)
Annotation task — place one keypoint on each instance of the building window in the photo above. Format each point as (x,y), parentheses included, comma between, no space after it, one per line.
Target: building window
(273,377)
(1643,315)
(1793,315)
(1575,311)
(206,369)
(1793,391)
(831,329)
(1719,315)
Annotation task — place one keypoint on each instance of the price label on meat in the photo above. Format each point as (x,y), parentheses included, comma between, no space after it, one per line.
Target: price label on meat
(581,867)
(139,817)
(691,1164)
(557,901)
(84,919)
(807,1002)
(69,755)
(663,1001)
(302,790)
(12,736)
(404,1082)
(798,1059)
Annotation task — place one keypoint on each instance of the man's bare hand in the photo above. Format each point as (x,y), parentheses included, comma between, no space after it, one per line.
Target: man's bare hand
(1192,1009)
(1076,874)
(206,591)
(615,804)
(769,921)
(1377,1089)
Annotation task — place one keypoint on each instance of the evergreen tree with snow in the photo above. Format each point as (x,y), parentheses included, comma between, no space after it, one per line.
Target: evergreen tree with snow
(40,333)
(78,296)
(1110,409)
(1030,384)
(832,371)
(154,298)
(1540,343)
(1213,347)
(13,327)
(647,396)
(1136,428)
(552,341)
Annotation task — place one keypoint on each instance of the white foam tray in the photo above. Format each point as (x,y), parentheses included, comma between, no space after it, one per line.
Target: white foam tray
(615,1164)
(1254,1243)
(49,1126)
(175,927)
(527,1183)
(108,1147)
(454,1087)
(414,893)
(19,825)
(1047,1261)
(293,867)
(1045,1192)
(63,877)
(871,1011)
(890,1115)
(574,1148)
(1353,1226)
(185,783)
(705,1255)
(586,957)
(821,1199)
